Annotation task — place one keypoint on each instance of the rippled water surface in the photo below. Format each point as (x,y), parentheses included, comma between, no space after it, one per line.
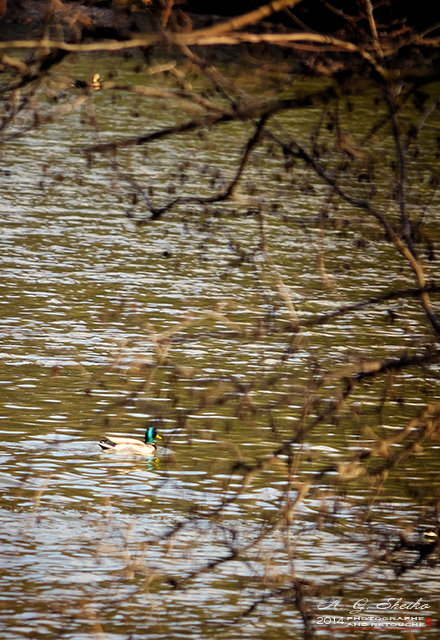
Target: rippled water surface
(93,545)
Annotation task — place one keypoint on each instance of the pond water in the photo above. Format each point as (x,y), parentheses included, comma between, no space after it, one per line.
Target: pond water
(107,324)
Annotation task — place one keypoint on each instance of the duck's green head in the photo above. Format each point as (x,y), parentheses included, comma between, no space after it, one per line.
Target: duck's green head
(150,435)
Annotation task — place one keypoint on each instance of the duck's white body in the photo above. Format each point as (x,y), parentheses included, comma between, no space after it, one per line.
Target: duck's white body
(132,445)
(128,445)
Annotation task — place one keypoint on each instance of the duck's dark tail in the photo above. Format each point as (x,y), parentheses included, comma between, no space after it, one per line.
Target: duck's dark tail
(105,443)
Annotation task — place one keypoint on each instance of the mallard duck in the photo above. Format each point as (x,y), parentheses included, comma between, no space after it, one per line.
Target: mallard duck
(94,84)
(131,445)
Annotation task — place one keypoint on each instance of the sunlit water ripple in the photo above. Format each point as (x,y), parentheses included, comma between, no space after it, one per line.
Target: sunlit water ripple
(87,536)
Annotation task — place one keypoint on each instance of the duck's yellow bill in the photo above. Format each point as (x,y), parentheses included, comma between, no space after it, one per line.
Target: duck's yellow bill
(158,436)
